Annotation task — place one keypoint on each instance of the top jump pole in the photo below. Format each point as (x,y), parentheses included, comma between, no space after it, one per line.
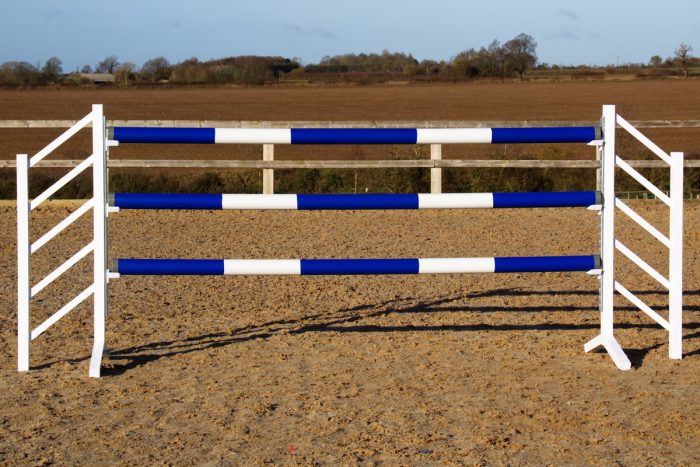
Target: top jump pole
(580,134)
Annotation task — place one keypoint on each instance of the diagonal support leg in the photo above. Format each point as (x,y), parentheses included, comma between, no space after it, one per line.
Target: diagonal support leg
(612,347)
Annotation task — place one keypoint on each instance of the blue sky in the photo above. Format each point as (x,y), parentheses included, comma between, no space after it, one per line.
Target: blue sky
(567,32)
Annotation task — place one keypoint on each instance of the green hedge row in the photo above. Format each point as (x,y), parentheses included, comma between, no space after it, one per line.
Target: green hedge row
(339,181)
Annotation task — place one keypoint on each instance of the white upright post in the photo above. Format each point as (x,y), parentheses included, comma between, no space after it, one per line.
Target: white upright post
(606,338)
(607,240)
(675,259)
(23,286)
(436,172)
(99,168)
(268,174)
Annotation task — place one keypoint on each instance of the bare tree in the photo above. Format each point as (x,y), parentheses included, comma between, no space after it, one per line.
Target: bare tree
(19,73)
(496,55)
(682,53)
(51,69)
(108,65)
(156,69)
(124,73)
(520,53)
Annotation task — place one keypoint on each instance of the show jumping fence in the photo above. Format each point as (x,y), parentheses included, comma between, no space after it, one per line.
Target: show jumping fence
(604,200)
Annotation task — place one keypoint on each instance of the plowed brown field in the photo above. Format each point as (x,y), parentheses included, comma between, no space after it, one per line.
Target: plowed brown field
(415,370)
(577,101)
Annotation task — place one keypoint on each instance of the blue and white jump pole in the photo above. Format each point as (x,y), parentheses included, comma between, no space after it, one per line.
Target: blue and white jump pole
(584,134)
(338,267)
(304,202)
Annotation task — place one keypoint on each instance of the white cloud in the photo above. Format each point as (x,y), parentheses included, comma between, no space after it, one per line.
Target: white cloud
(317,31)
(563,33)
(572,15)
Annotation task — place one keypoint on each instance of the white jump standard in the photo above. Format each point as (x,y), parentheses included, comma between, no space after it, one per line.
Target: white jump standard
(600,265)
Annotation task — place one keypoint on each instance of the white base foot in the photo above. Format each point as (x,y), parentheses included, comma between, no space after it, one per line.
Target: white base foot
(610,344)
(675,346)
(23,360)
(96,359)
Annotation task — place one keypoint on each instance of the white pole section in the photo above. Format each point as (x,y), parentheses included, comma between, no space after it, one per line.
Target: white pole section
(436,172)
(268,174)
(99,193)
(675,259)
(23,286)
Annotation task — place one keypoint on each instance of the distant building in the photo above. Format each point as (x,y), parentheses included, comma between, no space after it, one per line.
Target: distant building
(97,78)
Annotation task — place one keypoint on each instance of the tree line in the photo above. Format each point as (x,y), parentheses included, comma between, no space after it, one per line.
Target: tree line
(511,59)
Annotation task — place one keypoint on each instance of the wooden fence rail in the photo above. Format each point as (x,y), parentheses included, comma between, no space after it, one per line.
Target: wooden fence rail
(348,164)
(268,164)
(345,124)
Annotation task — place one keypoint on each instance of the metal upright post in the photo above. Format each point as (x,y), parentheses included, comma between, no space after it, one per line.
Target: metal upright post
(599,170)
(23,252)
(675,255)
(99,150)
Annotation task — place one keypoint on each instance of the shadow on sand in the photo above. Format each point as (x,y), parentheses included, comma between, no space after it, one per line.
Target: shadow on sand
(343,321)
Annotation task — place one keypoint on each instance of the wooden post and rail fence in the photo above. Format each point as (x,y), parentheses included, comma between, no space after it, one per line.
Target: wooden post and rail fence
(268,163)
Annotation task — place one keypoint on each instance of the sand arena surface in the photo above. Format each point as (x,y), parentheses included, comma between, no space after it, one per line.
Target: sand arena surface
(441,369)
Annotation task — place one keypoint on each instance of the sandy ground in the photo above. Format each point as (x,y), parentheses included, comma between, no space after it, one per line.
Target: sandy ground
(449,369)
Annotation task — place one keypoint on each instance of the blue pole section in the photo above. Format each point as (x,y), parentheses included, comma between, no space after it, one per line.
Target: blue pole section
(169,267)
(574,134)
(165,201)
(165,135)
(547,264)
(560,199)
(334,267)
(354,136)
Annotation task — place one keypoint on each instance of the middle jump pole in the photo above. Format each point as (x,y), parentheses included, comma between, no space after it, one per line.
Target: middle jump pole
(355,201)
